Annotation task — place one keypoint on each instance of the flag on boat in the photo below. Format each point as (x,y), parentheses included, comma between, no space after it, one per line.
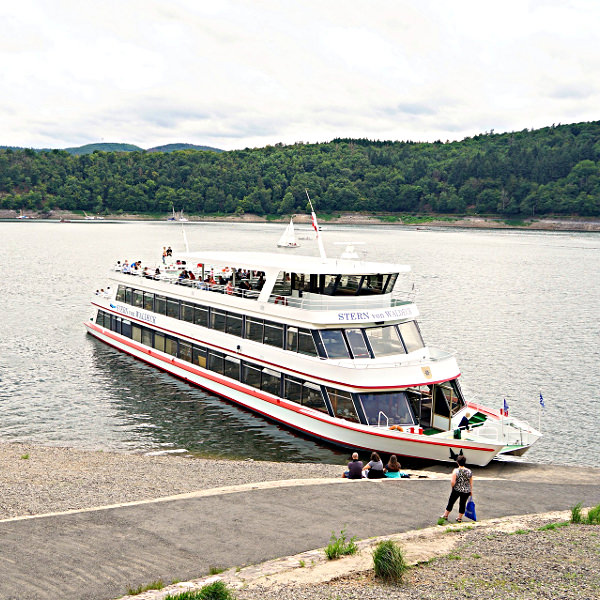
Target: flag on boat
(505,408)
(313,220)
(542,401)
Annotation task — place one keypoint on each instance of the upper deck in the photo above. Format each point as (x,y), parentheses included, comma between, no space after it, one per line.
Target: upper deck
(292,288)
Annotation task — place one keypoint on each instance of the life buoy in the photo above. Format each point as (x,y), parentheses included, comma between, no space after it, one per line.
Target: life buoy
(280,300)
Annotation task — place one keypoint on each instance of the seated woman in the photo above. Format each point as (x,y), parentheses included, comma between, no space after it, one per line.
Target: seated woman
(392,469)
(374,469)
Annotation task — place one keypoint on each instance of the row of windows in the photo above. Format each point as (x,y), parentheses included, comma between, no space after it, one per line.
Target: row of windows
(334,285)
(303,392)
(410,406)
(258,330)
(368,342)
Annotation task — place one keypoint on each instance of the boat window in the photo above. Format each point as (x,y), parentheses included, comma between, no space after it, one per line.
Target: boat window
(329,284)
(171,346)
(129,296)
(446,398)
(215,361)
(373,284)
(251,376)
(292,389)
(148,301)
(201,316)
(234,324)
(357,343)
(138,298)
(173,308)
(271,382)
(334,343)
(342,404)
(120,297)
(159,342)
(126,328)
(160,305)
(384,341)
(232,367)
(348,285)
(313,398)
(393,405)
(306,343)
(100,318)
(185,351)
(199,356)
(115,324)
(411,336)
(273,334)
(254,329)
(283,284)
(292,339)
(217,319)
(187,312)
(391,282)
(147,336)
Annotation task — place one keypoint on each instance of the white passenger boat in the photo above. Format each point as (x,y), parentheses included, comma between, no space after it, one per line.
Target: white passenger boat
(327,347)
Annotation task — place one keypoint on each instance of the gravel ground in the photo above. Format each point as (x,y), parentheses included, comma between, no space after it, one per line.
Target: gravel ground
(38,480)
(485,565)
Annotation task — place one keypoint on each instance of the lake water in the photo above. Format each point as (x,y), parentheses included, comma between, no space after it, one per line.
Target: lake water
(521,309)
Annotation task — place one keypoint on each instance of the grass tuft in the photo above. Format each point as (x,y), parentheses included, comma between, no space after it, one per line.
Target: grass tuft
(576,513)
(213,591)
(339,546)
(593,516)
(553,526)
(388,561)
(215,570)
(24,456)
(155,585)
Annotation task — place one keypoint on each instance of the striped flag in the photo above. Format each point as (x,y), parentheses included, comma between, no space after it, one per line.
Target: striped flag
(505,408)
(542,401)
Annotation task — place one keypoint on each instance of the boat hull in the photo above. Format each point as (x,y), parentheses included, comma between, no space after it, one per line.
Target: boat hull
(305,420)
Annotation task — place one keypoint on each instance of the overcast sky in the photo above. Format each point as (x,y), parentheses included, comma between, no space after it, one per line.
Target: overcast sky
(243,73)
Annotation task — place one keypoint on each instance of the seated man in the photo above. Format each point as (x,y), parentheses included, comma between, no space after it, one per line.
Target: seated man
(464,422)
(355,468)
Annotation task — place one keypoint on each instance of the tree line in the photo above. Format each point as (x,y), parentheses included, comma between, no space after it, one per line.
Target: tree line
(553,170)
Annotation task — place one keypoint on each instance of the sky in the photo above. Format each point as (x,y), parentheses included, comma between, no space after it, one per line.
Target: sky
(240,73)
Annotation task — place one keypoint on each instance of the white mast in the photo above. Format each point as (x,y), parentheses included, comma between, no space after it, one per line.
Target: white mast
(316,227)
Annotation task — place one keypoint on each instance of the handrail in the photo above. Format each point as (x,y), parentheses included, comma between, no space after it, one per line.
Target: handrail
(387,421)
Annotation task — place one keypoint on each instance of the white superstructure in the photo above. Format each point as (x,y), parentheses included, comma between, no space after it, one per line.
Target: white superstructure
(328,347)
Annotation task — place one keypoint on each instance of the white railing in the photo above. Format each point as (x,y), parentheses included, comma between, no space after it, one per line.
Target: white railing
(319,302)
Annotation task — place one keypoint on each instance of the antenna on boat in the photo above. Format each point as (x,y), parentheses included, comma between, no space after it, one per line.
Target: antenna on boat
(316,227)
(187,248)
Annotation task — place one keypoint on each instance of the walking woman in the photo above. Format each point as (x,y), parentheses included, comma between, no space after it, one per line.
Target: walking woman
(462,488)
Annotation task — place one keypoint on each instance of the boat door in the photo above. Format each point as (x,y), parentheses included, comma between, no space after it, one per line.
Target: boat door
(442,394)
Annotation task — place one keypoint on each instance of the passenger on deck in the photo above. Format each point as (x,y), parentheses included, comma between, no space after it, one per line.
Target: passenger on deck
(261,282)
(464,422)
(355,468)
(157,273)
(374,469)
(229,288)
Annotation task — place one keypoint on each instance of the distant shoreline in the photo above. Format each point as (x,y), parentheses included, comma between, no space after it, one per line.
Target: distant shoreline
(575,224)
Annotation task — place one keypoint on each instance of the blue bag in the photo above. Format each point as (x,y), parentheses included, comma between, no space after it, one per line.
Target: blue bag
(470,509)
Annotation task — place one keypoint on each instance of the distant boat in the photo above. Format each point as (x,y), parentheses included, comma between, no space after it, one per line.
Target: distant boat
(288,239)
(182,219)
(174,217)
(88,217)
(22,216)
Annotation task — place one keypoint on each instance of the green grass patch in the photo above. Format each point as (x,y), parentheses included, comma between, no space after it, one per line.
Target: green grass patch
(453,556)
(442,521)
(576,513)
(155,585)
(302,563)
(521,531)
(593,516)
(388,561)
(215,570)
(24,456)
(213,591)
(553,526)
(340,546)
(515,223)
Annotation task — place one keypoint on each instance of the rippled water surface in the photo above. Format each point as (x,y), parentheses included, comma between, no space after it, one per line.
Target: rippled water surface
(521,309)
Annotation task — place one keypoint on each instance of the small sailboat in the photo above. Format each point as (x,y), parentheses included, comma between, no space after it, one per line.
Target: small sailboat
(288,239)
(172,218)
(22,215)
(182,219)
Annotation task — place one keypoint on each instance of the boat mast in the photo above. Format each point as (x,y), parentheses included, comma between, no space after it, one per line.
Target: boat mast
(316,227)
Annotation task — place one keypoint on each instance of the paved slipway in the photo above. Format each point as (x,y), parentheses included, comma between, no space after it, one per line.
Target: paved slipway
(97,554)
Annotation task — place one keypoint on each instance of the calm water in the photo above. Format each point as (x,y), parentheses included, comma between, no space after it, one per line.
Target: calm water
(520,308)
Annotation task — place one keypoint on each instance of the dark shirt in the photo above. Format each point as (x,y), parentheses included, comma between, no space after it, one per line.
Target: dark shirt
(464,423)
(355,469)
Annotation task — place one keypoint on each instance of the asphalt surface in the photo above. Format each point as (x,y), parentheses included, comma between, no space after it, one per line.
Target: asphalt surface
(98,555)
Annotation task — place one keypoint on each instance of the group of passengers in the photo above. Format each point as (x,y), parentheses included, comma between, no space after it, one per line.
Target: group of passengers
(374,469)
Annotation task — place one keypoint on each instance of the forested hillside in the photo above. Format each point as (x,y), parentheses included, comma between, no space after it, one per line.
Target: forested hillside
(555,170)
